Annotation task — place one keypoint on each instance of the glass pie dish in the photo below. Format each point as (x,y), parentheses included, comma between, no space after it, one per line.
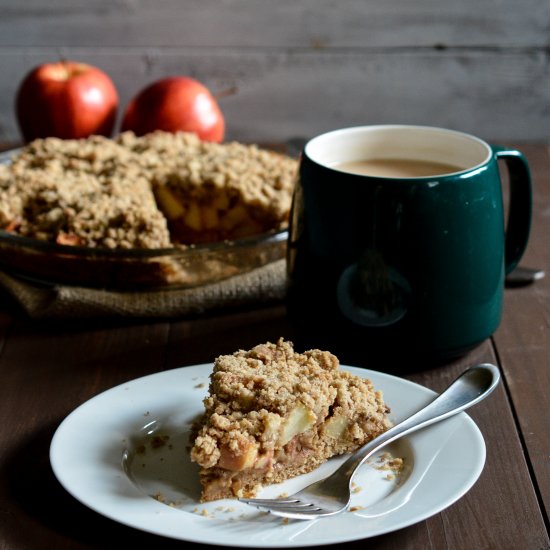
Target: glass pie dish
(184,267)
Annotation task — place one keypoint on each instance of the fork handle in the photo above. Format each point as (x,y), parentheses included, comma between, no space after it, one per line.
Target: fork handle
(472,386)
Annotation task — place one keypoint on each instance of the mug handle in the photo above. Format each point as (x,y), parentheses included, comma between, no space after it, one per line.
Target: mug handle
(520,205)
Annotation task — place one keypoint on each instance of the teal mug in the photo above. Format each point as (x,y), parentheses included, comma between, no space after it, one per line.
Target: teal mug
(399,239)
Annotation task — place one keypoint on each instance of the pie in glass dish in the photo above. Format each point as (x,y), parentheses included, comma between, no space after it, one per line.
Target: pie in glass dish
(145,192)
(154,211)
(273,413)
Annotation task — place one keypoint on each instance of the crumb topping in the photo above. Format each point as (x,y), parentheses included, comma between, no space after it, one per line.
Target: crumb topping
(101,192)
(271,378)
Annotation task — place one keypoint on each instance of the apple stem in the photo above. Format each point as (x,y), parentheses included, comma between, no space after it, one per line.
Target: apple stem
(227,92)
(62,58)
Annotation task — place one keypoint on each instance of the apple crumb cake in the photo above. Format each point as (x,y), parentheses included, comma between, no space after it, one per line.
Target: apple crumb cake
(272,414)
(152,191)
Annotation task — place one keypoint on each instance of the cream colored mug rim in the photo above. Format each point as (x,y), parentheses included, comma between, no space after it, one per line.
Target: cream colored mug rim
(412,142)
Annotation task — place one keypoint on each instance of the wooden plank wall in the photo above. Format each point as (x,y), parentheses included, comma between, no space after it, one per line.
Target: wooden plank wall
(299,67)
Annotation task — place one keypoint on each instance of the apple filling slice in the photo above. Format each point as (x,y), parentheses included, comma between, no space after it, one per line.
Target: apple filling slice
(272,413)
(210,219)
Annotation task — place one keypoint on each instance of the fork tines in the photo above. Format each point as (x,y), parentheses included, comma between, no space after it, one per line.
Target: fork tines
(286,507)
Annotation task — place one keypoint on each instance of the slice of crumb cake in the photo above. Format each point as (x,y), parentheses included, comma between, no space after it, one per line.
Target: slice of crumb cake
(272,414)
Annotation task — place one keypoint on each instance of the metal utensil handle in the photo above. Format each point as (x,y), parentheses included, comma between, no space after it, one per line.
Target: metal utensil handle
(468,389)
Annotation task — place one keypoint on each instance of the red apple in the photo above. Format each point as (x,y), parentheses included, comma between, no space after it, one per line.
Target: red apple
(175,104)
(68,100)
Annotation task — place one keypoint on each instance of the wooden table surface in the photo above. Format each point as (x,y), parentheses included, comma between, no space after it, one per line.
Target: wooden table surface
(50,368)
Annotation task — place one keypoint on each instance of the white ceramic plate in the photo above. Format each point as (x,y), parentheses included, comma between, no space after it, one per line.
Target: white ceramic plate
(124,454)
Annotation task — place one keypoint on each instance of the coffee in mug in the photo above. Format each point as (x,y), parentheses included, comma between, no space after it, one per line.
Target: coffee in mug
(398,239)
(396,168)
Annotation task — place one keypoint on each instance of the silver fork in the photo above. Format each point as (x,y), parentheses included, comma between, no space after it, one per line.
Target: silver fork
(331,495)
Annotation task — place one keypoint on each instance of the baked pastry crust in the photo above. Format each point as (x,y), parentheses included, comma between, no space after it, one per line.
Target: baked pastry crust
(148,192)
(273,413)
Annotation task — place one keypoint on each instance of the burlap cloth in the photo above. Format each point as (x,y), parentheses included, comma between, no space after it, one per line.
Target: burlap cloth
(261,286)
